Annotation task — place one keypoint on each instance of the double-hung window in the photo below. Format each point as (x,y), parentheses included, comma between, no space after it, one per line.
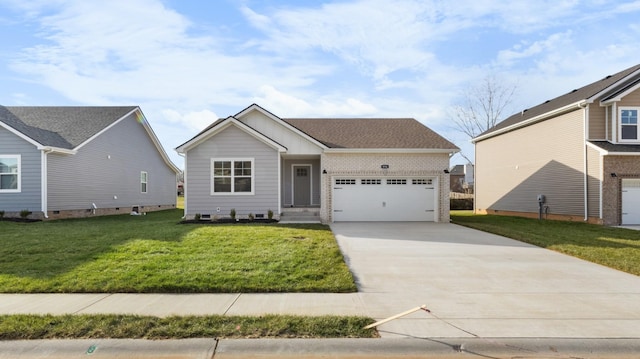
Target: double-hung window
(9,173)
(144,180)
(629,123)
(232,176)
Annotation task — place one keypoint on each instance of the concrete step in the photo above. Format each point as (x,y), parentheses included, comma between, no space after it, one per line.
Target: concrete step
(300,215)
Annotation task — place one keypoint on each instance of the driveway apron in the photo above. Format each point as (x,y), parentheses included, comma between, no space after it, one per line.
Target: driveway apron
(484,285)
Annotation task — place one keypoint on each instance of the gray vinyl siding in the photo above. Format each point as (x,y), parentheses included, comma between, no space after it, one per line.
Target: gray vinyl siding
(544,158)
(594,171)
(30,195)
(106,171)
(315,180)
(231,143)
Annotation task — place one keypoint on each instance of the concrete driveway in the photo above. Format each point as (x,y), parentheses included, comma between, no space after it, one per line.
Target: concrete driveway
(479,284)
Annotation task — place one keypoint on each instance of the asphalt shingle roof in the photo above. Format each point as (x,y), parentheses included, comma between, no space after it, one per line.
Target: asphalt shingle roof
(569,98)
(616,148)
(60,126)
(370,133)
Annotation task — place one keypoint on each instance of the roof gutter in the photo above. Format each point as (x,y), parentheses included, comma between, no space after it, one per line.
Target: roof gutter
(392,150)
(585,167)
(559,111)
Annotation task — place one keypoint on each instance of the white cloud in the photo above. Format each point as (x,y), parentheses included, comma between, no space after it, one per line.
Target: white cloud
(290,106)
(194,121)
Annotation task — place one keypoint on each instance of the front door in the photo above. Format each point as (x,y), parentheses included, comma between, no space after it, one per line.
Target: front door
(301,185)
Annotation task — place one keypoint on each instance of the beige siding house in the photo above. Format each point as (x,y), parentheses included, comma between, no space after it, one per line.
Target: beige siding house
(580,151)
(317,169)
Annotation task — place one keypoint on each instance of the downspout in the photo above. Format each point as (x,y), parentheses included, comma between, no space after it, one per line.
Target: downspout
(184,184)
(585,112)
(43,181)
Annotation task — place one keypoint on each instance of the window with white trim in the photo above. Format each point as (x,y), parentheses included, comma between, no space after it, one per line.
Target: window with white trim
(629,123)
(9,173)
(144,179)
(232,176)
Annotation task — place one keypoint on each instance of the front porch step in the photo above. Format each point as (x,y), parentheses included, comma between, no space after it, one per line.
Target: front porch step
(300,215)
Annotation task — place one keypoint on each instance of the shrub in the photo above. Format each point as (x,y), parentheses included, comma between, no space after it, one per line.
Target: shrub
(270,214)
(197,216)
(25,213)
(1,214)
(232,213)
(251,216)
(461,203)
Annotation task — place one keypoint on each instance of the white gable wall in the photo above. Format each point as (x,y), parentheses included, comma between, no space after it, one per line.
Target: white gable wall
(295,143)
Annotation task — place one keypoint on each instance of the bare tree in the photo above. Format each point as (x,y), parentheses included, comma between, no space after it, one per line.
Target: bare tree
(482,106)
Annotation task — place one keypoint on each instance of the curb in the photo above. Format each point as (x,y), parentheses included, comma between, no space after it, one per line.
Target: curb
(444,348)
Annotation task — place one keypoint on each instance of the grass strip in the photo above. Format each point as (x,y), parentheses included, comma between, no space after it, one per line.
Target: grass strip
(617,248)
(22,327)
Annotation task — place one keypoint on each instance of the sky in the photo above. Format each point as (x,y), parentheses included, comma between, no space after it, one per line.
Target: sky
(187,63)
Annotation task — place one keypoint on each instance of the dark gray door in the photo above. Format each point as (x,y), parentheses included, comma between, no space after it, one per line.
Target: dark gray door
(301,185)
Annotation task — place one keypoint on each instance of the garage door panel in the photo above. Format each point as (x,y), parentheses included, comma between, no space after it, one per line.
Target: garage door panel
(631,201)
(383,199)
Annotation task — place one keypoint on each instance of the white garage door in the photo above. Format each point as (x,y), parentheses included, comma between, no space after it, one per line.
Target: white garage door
(631,201)
(383,199)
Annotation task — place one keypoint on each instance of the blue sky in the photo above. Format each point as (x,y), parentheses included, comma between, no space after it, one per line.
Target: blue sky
(187,63)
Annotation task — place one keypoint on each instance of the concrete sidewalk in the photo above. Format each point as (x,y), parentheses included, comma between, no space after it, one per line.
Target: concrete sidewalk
(474,283)
(483,290)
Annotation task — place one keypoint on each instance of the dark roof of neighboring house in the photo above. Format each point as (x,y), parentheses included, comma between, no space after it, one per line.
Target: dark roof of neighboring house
(573,96)
(62,127)
(457,170)
(616,148)
(370,133)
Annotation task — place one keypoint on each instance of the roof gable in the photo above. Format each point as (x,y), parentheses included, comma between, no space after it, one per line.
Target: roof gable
(341,133)
(586,94)
(61,127)
(219,126)
(66,129)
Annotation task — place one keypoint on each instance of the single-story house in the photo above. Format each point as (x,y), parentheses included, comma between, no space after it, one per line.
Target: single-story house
(346,169)
(574,157)
(60,162)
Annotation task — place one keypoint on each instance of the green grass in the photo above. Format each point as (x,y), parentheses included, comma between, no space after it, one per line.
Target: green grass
(617,248)
(155,254)
(20,327)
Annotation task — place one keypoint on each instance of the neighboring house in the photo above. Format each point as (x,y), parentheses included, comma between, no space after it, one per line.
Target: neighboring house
(461,178)
(349,169)
(60,162)
(581,151)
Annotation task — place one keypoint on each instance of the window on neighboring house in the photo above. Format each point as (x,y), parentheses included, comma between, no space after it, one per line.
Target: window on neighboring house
(9,173)
(144,179)
(629,124)
(232,176)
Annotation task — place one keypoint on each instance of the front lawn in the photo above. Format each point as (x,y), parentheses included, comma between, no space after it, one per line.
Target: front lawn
(617,248)
(155,254)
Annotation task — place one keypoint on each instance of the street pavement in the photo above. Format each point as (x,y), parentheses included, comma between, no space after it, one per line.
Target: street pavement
(480,289)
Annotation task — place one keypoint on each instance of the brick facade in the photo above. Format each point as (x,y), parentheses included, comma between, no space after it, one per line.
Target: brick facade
(623,167)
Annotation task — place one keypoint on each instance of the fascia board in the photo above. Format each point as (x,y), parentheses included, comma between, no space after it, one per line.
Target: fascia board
(600,150)
(105,129)
(156,142)
(21,135)
(618,96)
(230,121)
(392,150)
(541,117)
